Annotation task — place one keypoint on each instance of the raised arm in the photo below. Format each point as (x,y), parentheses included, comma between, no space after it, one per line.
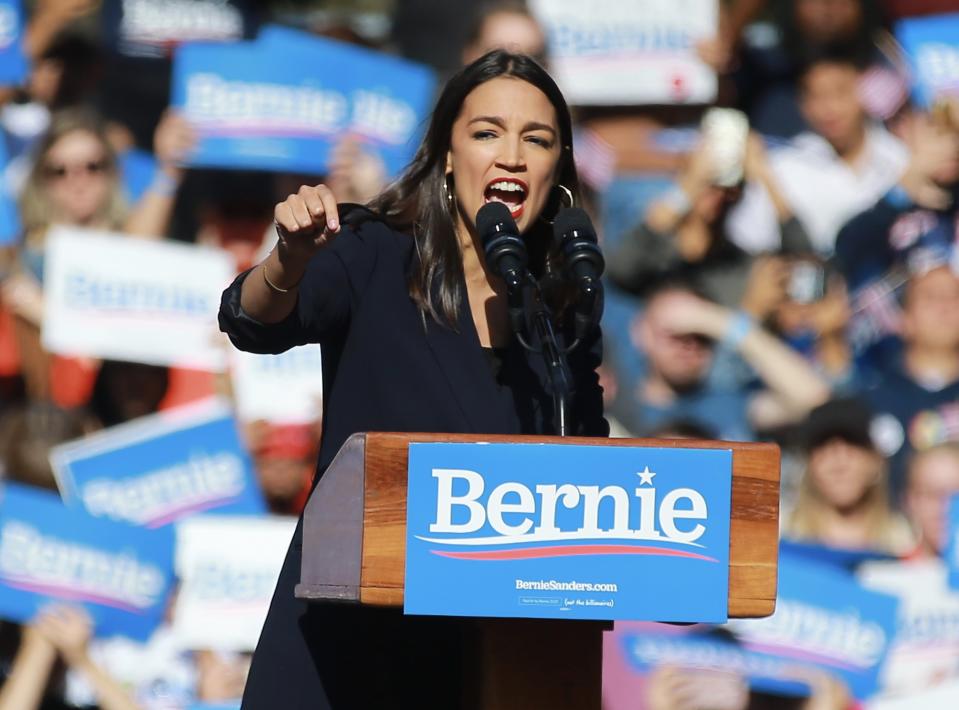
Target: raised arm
(305,223)
(796,386)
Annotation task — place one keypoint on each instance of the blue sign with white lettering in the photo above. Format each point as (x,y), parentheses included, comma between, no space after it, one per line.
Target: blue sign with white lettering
(931,45)
(9,216)
(159,469)
(566,531)
(13,62)
(847,559)
(824,618)
(121,574)
(282,102)
(645,650)
(952,543)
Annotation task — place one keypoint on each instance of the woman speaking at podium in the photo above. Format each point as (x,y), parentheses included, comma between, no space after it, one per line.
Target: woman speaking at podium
(416,337)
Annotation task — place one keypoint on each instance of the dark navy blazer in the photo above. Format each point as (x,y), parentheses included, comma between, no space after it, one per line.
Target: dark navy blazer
(383,370)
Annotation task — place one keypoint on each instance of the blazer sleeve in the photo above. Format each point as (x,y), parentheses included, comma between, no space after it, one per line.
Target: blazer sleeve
(332,286)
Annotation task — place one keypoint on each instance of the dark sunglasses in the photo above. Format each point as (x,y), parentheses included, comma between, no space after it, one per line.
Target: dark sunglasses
(91,167)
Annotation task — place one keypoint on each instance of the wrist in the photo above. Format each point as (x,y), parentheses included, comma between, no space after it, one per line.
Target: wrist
(737,328)
(165,182)
(281,277)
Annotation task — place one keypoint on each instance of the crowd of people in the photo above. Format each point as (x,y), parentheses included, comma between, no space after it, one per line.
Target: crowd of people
(804,291)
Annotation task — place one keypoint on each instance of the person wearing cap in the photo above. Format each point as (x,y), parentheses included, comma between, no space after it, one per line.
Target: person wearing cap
(842,500)
(679,334)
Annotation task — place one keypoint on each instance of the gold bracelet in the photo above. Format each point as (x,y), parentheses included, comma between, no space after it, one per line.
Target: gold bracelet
(273,286)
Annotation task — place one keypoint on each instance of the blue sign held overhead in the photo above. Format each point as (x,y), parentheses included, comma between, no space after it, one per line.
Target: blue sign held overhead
(565,531)
(282,102)
(931,45)
(121,574)
(9,215)
(159,469)
(824,618)
(648,649)
(13,62)
(952,543)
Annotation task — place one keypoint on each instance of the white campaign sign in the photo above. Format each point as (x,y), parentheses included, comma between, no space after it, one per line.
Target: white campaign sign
(625,52)
(283,389)
(113,296)
(228,567)
(925,649)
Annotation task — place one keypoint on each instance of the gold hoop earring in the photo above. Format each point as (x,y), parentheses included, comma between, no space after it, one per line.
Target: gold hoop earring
(449,194)
(568,194)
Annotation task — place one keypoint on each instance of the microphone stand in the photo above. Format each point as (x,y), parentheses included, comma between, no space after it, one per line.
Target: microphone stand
(557,368)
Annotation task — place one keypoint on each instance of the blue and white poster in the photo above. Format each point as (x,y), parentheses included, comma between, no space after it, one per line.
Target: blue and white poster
(161,468)
(826,619)
(931,45)
(121,574)
(952,542)
(646,649)
(9,216)
(13,62)
(282,102)
(153,28)
(564,531)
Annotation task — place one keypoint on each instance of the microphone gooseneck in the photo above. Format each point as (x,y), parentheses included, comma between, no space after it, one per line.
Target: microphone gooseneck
(506,257)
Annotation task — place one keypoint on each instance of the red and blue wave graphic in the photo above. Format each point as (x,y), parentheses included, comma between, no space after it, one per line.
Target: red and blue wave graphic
(533,553)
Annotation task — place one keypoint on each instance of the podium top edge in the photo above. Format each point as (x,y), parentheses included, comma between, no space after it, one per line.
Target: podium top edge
(427,437)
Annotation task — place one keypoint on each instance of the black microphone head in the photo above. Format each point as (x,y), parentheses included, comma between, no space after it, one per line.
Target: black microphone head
(570,220)
(492,219)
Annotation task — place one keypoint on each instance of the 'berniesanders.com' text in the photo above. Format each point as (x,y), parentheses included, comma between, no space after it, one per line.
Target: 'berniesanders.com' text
(552,585)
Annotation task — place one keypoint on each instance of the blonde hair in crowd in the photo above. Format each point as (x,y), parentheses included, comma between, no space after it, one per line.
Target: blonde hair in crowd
(886,531)
(36,208)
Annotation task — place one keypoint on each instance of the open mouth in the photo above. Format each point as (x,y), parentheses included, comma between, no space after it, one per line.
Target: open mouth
(510,191)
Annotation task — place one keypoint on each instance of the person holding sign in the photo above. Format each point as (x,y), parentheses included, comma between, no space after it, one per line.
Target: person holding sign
(416,337)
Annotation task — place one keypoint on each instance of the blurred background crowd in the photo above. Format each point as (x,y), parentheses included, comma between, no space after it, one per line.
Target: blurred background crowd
(782,266)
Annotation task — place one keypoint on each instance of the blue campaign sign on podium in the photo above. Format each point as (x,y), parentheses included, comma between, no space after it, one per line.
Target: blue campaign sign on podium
(568,531)
(159,469)
(121,574)
(283,101)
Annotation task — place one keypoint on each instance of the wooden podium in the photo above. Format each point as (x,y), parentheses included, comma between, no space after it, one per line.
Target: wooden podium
(354,540)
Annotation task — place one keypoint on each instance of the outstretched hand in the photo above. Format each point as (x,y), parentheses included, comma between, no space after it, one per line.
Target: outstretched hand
(306,221)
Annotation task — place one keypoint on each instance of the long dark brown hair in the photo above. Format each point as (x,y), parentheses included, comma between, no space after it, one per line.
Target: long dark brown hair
(416,201)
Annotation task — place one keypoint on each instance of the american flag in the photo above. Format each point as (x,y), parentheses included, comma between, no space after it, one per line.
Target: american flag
(595,159)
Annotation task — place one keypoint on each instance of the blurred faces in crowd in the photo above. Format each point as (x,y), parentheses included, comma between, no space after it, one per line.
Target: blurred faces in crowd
(932,479)
(825,21)
(78,172)
(830,103)
(506,25)
(843,497)
(74,180)
(930,317)
(682,359)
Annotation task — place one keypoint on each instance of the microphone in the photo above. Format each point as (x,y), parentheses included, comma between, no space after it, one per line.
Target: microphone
(506,256)
(575,238)
(504,249)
